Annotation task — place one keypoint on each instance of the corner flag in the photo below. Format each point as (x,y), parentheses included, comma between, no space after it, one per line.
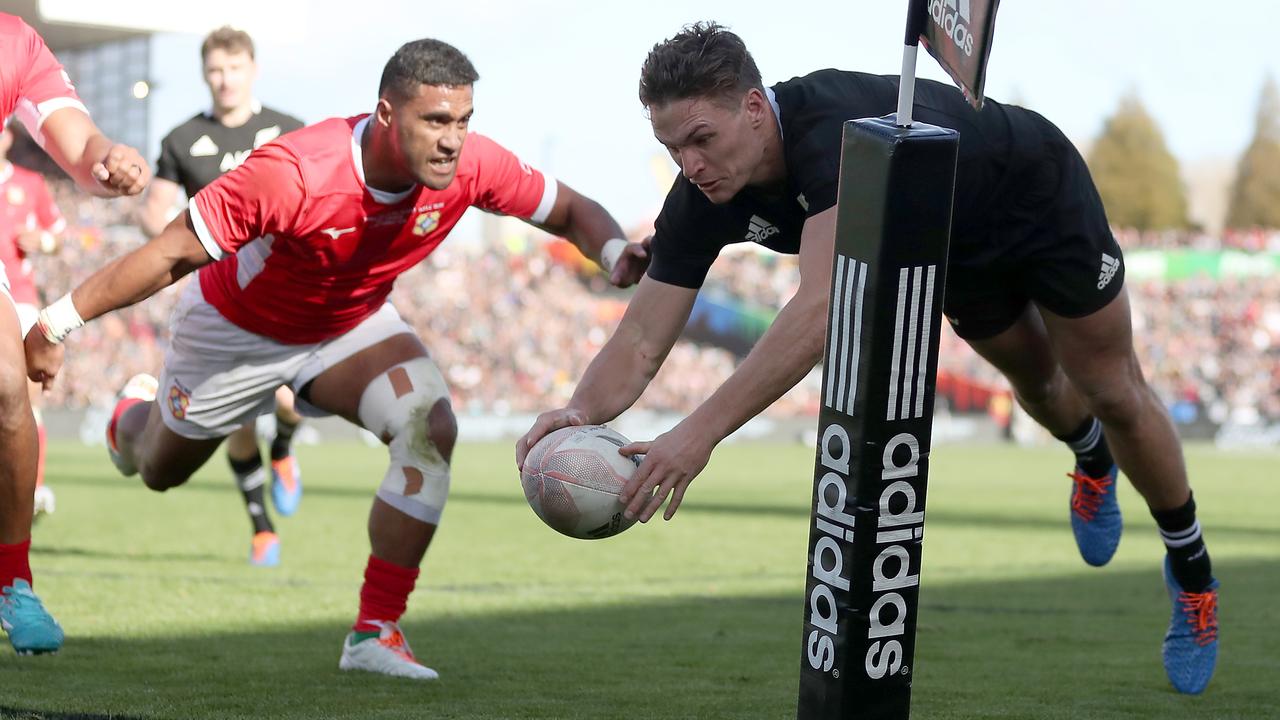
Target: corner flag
(958,35)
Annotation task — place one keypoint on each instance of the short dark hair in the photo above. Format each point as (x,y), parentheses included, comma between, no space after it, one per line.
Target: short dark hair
(426,62)
(703,60)
(226,38)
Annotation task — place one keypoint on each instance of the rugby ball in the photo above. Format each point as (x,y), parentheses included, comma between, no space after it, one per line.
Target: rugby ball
(572,478)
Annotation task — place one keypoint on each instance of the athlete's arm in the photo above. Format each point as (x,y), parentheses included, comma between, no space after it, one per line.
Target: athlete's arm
(154,212)
(586,224)
(98,165)
(781,358)
(623,368)
(124,281)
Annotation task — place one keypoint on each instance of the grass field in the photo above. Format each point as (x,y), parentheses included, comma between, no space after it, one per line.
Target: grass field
(697,618)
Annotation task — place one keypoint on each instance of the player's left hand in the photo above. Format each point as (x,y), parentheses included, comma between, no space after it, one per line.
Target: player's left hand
(671,462)
(44,359)
(631,264)
(123,171)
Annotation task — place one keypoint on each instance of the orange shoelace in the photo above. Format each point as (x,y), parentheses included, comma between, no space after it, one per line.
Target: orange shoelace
(395,643)
(1202,614)
(1088,494)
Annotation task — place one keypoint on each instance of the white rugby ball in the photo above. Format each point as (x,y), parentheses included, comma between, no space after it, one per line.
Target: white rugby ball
(572,478)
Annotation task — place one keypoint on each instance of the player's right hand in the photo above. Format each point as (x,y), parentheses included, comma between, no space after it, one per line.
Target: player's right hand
(547,422)
(123,171)
(44,359)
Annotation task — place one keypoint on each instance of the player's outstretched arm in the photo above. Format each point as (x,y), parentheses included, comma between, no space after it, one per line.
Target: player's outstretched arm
(624,366)
(98,165)
(124,281)
(781,358)
(586,224)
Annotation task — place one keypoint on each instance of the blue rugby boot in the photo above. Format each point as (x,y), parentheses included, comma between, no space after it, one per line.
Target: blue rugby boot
(1191,646)
(1095,515)
(32,630)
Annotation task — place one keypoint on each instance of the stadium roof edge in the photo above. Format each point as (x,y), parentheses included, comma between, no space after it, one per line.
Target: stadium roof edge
(60,35)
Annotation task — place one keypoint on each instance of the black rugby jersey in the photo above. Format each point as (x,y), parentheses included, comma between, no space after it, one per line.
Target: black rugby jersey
(999,146)
(200,150)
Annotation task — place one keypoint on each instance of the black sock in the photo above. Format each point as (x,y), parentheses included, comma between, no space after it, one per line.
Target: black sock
(284,436)
(1188,556)
(1090,446)
(250,478)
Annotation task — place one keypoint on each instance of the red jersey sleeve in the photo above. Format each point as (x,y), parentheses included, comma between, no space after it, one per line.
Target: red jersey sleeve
(263,196)
(43,86)
(506,185)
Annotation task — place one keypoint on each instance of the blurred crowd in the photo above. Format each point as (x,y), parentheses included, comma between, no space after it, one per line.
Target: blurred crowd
(514,328)
(1254,240)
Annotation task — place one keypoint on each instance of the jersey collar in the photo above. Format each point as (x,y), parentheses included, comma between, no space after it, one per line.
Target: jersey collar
(254,106)
(773,102)
(357,158)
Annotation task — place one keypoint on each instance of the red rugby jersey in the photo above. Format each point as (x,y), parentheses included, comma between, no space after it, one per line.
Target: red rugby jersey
(25,204)
(306,250)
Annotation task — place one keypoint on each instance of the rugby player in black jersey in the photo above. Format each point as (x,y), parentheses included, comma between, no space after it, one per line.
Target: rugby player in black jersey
(192,155)
(1035,284)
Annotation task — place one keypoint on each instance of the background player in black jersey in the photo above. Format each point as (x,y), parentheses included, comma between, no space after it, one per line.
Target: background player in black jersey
(1035,283)
(193,155)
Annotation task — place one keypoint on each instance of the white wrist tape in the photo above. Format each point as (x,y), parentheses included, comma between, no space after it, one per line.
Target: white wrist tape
(59,319)
(610,253)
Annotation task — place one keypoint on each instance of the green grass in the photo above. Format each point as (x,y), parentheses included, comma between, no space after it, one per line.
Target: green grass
(697,618)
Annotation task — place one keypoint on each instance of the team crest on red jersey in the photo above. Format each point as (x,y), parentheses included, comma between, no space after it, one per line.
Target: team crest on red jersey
(426,222)
(15,195)
(179,399)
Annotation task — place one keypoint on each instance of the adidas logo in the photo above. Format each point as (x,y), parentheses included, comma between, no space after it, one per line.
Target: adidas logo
(759,229)
(1109,267)
(204,147)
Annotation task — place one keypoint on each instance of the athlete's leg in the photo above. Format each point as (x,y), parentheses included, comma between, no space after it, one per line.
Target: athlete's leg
(251,480)
(164,458)
(394,535)
(1096,352)
(1022,353)
(404,401)
(17,433)
(30,627)
(286,473)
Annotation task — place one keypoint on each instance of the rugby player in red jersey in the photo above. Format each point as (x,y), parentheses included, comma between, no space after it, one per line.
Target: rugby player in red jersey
(33,84)
(298,249)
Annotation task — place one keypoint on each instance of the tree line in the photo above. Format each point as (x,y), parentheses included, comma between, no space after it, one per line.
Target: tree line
(1139,180)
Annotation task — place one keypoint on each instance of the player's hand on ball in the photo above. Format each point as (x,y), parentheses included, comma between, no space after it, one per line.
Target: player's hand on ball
(44,359)
(547,422)
(122,171)
(671,462)
(631,264)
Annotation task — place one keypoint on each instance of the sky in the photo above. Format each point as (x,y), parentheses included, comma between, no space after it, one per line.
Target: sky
(558,77)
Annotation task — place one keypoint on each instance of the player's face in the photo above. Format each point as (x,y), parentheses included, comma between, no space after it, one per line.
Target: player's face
(230,77)
(429,130)
(715,143)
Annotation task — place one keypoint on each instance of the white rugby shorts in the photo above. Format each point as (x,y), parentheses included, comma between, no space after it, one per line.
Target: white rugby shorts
(218,376)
